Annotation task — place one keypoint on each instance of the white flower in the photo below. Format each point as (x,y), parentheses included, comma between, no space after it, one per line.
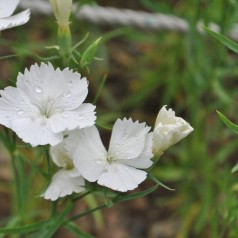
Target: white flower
(119,168)
(168,130)
(65,181)
(62,10)
(45,103)
(7,7)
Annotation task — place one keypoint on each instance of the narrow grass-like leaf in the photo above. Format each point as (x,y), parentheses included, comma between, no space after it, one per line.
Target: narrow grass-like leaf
(123,198)
(80,42)
(58,222)
(235,168)
(89,53)
(82,214)
(48,58)
(228,123)
(26,228)
(92,202)
(159,183)
(8,56)
(223,39)
(74,229)
(99,91)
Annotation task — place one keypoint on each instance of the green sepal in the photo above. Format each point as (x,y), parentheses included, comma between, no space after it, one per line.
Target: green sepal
(88,55)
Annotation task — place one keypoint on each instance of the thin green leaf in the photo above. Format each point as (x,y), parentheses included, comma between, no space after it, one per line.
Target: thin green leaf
(82,214)
(99,91)
(115,33)
(97,216)
(228,123)
(223,39)
(48,58)
(8,56)
(123,198)
(159,183)
(26,228)
(74,229)
(58,222)
(235,168)
(54,47)
(80,42)
(89,53)
(35,166)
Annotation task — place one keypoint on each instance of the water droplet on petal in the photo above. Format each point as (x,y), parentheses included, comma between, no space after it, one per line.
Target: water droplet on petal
(80,117)
(38,89)
(65,115)
(20,112)
(67,94)
(92,167)
(70,84)
(98,161)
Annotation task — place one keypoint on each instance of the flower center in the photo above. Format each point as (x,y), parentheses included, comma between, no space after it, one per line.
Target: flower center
(109,159)
(46,109)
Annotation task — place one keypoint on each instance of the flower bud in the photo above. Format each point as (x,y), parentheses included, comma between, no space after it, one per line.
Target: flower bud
(168,130)
(62,10)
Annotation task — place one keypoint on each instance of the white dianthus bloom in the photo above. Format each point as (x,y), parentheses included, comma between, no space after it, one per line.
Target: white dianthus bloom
(45,103)
(119,168)
(65,181)
(7,7)
(168,130)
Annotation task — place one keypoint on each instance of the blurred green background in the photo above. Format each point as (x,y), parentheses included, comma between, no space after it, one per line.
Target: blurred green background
(190,72)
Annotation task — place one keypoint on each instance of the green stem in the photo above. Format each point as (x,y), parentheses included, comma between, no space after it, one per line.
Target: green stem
(73,218)
(17,186)
(155,162)
(82,195)
(64,41)
(47,155)
(49,166)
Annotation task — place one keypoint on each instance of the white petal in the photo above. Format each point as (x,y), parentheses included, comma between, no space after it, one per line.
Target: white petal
(74,173)
(76,89)
(7,7)
(143,160)
(15,113)
(81,117)
(89,156)
(15,20)
(60,157)
(128,139)
(35,132)
(121,178)
(63,184)
(165,116)
(168,130)
(9,105)
(42,83)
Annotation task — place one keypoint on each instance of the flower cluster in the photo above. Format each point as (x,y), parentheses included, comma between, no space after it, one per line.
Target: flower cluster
(47,107)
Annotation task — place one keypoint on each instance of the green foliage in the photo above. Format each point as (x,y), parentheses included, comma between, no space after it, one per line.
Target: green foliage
(89,54)
(228,123)
(224,40)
